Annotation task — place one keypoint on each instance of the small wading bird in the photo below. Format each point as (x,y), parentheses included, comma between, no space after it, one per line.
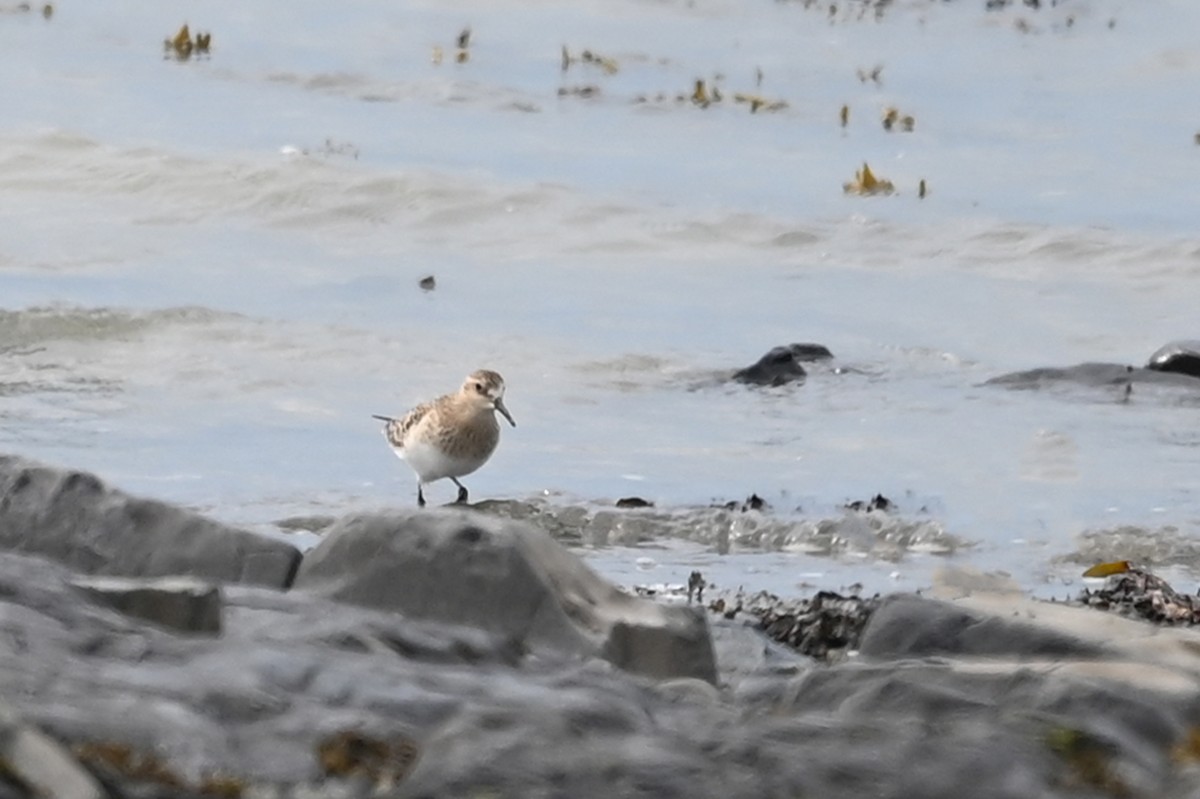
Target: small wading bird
(452,435)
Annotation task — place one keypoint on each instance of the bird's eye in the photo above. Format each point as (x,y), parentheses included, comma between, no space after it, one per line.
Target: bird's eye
(479,387)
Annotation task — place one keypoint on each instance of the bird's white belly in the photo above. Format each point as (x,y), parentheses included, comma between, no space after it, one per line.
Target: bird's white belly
(430,463)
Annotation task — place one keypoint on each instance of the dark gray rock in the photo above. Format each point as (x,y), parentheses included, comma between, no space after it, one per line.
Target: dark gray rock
(1181,357)
(507,578)
(293,671)
(1176,364)
(76,519)
(905,626)
(781,365)
(183,604)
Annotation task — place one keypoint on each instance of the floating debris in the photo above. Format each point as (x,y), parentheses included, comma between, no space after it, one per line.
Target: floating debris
(844,115)
(891,117)
(921,189)
(609,65)
(877,502)
(866,184)
(759,103)
(463,43)
(874,75)
(578,91)
(428,283)
(182,45)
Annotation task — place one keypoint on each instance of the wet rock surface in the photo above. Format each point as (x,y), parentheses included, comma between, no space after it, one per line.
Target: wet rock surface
(1180,357)
(782,365)
(1176,364)
(974,691)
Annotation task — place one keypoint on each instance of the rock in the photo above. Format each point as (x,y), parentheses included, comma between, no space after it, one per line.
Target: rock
(824,627)
(1180,357)
(781,365)
(76,519)
(42,764)
(1173,364)
(507,578)
(911,626)
(183,604)
(305,697)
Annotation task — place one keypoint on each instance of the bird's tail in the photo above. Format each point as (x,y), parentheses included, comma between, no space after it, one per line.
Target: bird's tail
(383,418)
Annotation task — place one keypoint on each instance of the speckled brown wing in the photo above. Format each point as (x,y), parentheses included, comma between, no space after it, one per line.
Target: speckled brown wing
(397,427)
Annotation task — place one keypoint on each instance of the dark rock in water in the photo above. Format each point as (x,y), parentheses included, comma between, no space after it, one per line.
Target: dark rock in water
(781,365)
(634,502)
(752,502)
(877,502)
(76,519)
(428,283)
(507,578)
(1180,357)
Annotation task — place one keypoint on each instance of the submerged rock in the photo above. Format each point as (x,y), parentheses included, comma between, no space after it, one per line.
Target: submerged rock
(507,578)
(1174,364)
(781,365)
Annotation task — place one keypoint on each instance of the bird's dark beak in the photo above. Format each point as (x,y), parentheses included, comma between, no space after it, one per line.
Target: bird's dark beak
(500,407)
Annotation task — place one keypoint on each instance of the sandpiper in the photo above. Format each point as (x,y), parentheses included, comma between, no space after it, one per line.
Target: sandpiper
(452,435)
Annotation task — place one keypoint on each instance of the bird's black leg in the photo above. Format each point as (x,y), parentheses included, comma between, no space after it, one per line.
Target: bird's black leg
(462,492)
(420,496)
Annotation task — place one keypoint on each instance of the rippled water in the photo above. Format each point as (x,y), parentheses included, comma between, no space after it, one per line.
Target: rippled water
(209,270)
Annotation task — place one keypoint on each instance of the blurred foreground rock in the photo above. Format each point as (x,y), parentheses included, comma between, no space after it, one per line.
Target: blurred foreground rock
(976,692)
(75,518)
(509,579)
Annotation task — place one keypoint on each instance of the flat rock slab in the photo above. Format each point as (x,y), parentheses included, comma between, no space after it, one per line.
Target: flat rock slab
(507,578)
(183,604)
(75,518)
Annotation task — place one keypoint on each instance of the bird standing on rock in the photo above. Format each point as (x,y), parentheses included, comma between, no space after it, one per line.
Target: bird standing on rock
(452,435)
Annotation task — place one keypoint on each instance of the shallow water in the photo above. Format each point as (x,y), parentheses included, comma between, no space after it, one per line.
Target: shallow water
(209,268)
